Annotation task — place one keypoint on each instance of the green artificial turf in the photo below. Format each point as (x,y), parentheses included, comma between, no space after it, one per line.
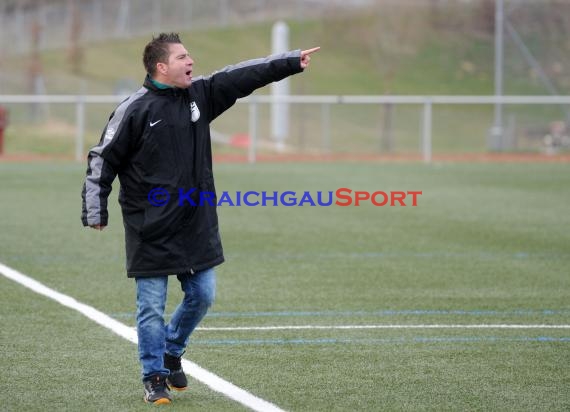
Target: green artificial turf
(486,244)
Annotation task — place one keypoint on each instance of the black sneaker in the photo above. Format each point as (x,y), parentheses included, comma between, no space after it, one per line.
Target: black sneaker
(156,390)
(177,378)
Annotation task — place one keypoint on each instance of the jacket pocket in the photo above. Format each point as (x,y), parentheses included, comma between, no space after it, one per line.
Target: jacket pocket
(161,222)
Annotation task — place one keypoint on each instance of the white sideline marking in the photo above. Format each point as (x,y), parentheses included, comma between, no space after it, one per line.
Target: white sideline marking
(298,327)
(208,378)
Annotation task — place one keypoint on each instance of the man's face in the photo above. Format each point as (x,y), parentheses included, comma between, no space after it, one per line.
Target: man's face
(178,71)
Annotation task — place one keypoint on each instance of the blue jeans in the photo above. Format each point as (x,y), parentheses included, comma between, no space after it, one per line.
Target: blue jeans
(156,337)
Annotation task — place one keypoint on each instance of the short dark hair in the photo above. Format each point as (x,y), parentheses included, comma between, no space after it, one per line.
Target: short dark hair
(156,51)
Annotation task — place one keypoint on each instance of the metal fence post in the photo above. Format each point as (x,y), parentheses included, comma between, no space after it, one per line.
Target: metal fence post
(326,127)
(251,156)
(79,127)
(426,131)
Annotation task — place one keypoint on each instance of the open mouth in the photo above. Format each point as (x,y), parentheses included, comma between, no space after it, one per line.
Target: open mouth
(189,73)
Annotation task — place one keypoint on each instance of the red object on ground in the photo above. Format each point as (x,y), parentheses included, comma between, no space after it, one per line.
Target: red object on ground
(239,140)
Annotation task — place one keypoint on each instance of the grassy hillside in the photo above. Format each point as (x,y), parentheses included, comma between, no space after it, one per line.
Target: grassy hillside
(347,64)
(361,54)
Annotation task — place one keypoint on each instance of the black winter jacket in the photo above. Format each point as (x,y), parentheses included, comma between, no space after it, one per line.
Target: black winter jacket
(159,139)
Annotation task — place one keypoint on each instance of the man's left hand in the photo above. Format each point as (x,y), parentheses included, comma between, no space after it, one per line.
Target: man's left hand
(306,58)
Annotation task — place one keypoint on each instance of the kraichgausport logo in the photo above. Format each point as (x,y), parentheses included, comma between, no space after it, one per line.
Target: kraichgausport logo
(343,196)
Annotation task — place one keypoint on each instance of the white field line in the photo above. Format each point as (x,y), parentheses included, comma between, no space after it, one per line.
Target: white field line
(208,378)
(329,327)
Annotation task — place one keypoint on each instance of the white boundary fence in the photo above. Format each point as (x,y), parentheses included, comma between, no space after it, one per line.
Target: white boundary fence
(427,102)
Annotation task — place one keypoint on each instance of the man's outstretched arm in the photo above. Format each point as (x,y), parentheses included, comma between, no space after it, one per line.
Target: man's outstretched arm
(233,82)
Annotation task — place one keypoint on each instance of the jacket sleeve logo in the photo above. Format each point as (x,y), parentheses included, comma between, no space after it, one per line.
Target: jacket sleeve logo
(109,133)
(195,112)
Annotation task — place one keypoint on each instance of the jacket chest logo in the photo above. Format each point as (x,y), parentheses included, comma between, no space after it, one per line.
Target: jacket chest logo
(194,112)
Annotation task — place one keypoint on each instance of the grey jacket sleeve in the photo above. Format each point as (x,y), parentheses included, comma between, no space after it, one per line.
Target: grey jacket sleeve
(224,87)
(104,161)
